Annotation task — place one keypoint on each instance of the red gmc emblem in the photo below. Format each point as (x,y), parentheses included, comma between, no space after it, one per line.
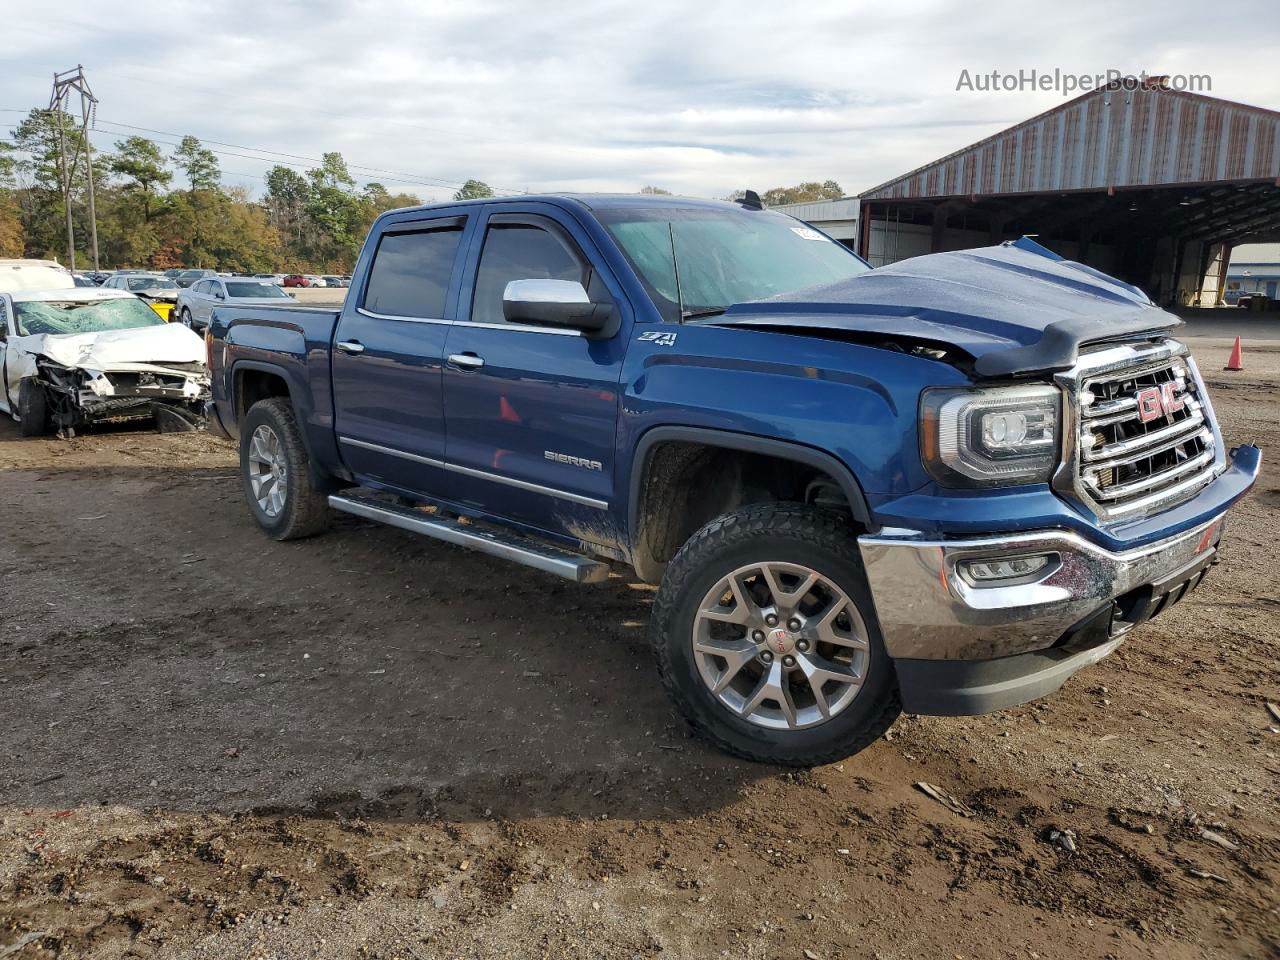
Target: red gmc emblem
(1154,401)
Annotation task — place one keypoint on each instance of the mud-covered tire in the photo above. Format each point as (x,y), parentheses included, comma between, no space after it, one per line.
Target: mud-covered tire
(787,534)
(304,511)
(33,409)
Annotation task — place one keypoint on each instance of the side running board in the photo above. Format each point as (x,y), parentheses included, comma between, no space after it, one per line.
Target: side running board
(509,546)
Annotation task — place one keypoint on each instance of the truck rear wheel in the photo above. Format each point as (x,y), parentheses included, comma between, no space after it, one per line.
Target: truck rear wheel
(767,639)
(275,475)
(33,409)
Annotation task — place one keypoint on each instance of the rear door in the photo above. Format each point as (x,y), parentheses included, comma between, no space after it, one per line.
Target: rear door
(532,411)
(387,355)
(203,301)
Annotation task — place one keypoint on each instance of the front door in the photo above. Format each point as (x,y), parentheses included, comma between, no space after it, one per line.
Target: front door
(388,348)
(532,411)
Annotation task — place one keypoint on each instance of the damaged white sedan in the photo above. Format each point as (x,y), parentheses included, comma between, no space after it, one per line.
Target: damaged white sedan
(74,357)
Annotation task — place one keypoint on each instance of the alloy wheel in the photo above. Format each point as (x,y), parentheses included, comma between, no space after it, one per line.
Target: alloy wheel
(780,645)
(268,471)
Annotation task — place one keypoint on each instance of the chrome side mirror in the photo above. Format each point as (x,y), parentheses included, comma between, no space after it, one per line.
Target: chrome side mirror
(556,303)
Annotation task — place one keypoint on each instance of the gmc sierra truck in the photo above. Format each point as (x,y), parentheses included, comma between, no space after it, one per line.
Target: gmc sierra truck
(943,485)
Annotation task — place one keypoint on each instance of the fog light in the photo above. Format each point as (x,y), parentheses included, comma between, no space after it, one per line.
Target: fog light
(987,571)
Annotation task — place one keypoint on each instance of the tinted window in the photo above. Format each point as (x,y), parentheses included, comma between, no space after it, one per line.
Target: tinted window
(518,252)
(252,288)
(410,273)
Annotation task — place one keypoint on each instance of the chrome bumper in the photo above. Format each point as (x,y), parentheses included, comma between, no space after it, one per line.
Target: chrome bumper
(930,610)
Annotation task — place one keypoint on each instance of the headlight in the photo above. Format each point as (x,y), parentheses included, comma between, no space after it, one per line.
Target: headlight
(991,437)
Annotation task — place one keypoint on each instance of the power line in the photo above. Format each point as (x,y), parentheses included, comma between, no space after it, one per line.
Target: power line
(416,178)
(246,156)
(395,176)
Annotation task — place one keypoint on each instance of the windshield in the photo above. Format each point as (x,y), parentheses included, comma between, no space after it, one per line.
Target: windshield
(151,283)
(724,256)
(253,288)
(66,316)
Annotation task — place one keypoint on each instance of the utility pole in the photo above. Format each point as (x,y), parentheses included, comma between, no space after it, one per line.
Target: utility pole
(66,84)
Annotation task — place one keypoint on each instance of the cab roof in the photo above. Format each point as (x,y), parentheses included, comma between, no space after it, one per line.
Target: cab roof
(589,201)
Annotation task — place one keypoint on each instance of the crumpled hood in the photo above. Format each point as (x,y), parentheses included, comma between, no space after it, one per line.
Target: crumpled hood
(112,349)
(1015,308)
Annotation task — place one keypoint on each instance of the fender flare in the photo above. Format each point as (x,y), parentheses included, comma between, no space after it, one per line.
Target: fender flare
(747,443)
(320,479)
(261,366)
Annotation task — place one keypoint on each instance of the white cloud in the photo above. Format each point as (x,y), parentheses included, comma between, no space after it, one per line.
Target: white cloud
(609,94)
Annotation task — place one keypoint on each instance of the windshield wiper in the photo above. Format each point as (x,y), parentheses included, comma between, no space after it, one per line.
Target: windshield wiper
(699,314)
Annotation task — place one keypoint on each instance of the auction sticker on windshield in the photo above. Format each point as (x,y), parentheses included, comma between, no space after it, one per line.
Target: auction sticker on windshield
(808,233)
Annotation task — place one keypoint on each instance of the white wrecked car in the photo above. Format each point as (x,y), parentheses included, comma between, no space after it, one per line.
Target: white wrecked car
(74,356)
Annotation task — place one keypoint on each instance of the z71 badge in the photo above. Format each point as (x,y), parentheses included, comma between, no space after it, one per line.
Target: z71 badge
(661,339)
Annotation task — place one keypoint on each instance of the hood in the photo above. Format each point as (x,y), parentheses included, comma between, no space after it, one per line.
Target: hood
(113,349)
(1016,308)
(157,293)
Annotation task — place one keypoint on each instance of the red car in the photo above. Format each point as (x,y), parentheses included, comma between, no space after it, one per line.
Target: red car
(296,280)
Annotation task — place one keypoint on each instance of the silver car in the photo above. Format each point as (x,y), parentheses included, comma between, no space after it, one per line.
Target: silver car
(196,303)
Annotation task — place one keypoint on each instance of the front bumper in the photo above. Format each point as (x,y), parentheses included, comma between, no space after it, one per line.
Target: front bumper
(930,610)
(964,646)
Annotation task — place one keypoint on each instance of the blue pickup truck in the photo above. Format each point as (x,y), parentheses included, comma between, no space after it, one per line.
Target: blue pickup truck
(943,485)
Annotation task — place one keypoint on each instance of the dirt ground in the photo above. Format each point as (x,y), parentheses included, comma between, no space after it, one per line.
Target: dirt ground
(370,745)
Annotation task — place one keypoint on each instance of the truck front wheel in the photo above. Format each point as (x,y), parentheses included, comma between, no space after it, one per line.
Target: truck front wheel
(767,640)
(275,475)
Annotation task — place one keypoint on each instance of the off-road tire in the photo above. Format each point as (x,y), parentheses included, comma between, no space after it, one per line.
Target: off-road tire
(33,409)
(779,532)
(305,512)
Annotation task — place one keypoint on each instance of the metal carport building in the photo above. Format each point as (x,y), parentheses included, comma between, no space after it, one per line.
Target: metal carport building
(1141,181)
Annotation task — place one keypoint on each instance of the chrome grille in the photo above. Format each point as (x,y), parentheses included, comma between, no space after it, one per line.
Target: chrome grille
(1143,429)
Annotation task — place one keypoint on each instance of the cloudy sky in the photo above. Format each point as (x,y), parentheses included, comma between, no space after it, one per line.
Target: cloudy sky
(602,95)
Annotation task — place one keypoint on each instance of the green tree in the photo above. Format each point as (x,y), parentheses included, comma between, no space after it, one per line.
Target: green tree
(335,212)
(198,210)
(377,197)
(12,233)
(474,190)
(143,167)
(244,239)
(198,163)
(38,143)
(807,192)
(286,202)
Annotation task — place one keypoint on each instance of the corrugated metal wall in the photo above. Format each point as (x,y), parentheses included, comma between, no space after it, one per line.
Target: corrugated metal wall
(1108,138)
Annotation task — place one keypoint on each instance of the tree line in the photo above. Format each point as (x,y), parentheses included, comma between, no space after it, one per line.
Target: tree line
(158,210)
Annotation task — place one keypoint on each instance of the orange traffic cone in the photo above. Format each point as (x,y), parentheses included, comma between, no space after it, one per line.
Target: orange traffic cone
(1236,361)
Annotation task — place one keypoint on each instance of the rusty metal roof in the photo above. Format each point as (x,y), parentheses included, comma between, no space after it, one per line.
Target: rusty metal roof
(1110,137)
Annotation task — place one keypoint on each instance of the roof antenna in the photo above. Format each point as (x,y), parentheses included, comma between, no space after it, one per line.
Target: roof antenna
(675,266)
(751,200)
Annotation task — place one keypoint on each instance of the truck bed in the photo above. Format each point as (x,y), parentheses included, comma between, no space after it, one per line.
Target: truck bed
(292,341)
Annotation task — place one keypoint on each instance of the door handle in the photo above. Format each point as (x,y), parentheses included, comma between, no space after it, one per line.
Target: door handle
(350,346)
(466,361)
